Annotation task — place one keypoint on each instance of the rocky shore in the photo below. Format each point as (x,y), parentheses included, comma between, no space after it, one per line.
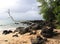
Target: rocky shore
(33,34)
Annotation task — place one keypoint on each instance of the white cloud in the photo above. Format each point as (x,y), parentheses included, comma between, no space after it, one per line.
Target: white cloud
(29,15)
(7,3)
(23,9)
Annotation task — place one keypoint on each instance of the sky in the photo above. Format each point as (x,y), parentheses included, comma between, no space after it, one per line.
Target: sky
(19,10)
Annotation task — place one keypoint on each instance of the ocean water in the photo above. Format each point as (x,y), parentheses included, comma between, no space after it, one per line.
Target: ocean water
(10,25)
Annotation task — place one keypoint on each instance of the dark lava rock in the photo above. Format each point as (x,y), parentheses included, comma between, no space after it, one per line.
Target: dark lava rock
(48,32)
(16,35)
(38,40)
(36,26)
(28,29)
(22,30)
(18,29)
(6,32)
(51,24)
(25,30)
(10,31)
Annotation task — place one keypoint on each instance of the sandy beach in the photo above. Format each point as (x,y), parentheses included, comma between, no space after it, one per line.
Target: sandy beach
(25,39)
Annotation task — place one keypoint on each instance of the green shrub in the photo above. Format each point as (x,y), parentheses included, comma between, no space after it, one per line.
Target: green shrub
(58,27)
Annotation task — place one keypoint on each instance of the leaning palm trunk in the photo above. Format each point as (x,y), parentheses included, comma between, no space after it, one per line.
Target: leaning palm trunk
(11,17)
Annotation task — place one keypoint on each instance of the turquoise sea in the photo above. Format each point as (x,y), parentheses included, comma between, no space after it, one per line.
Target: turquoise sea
(10,25)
